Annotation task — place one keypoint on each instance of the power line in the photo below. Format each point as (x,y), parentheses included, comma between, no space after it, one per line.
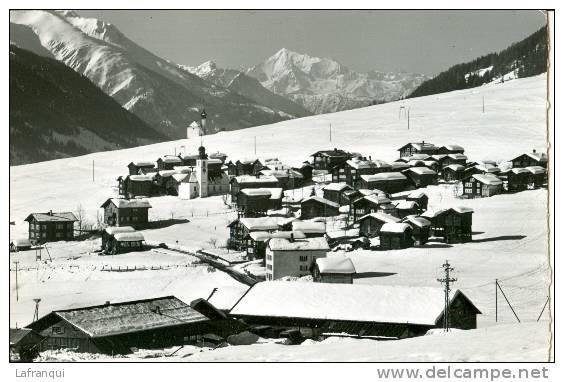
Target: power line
(447,280)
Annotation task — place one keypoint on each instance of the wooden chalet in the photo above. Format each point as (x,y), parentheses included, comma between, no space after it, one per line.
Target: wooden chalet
(108,236)
(351,170)
(335,192)
(370,224)
(452,172)
(334,270)
(250,166)
(530,159)
(454,159)
(50,226)
(132,186)
(407,207)
(421,176)
(453,225)
(357,310)
(128,212)
(24,343)
(420,228)
(165,183)
(439,159)
(417,196)
(396,236)
(450,149)
(367,205)
(537,177)
(119,328)
(517,178)
(248,181)
(315,206)
(287,179)
(389,182)
(123,242)
(417,148)
(240,228)
(327,159)
(168,162)
(253,202)
(481,186)
(138,168)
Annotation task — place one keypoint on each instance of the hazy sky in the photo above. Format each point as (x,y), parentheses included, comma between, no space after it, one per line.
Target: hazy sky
(416,41)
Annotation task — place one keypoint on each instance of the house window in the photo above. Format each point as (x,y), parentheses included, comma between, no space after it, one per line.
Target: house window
(468,184)
(44,234)
(269,267)
(303,258)
(303,268)
(58,235)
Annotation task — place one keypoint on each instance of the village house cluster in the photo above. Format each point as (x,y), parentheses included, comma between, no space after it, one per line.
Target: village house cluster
(283,219)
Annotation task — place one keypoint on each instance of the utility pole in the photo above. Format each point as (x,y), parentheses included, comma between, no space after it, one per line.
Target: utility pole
(483,105)
(17,295)
(330,133)
(407,118)
(255,145)
(447,280)
(36,314)
(92,170)
(495,300)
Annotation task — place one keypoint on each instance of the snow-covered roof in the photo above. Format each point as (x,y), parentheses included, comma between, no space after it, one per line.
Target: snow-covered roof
(114,230)
(422,171)
(416,162)
(395,227)
(358,163)
(419,157)
(535,170)
(180,177)
(322,200)
(341,233)
(335,264)
(420,146)
(275,192)
(462,209)
(307,244)
(417,220)
(458,209)
(489,179)
(454,147)
(308,227)
(399,165)
(261,224)
(128,317)
(538,156)
(171,159)
(457,156)
(287,220)
(52,217)
(183,169)
(263,236)
(253,179)
(386,218)
(438,156)
(142,178)
(455,167)
(406,205)
(336,186)
(488,168)
(375,198)
(345,302)
(256,192)
(129,236)
(166,173)
(417,194)
(384,176)
(143,164)
(127,203)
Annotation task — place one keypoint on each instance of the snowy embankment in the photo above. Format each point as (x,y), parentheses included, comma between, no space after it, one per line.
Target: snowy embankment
(509,240)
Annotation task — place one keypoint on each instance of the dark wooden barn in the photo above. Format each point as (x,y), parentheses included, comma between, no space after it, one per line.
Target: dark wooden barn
(108,236)
(138,168)
(396,236)
(335,192)
(334,270)
(530,159)
(406,207)
(452,173)
(367,205)
(316,206)
(306,169)
(365,311)
(517,178)
(453,225)
(253,202)
(421,176)
(25,343)
(370,224)
(421,228)
(50,226)
(240,228)
(247,167)
(454,159)
(481,185)
(423,147)
(326,159)
(168,162)
(450,149)
(351,170)
(118,328)
(248,181)
(129,212)
(132,186)
(123,242)
(389,182)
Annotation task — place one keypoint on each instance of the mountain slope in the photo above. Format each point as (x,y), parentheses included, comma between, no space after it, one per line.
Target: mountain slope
(322,85)
(159,92)
(247,86)
(56,112)
(525,58)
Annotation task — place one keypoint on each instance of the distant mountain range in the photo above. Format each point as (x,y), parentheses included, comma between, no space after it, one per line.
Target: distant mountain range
(525,58)
(322,85)
(56,113)
(159,92)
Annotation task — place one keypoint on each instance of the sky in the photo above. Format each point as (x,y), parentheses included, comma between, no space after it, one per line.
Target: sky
(425,42)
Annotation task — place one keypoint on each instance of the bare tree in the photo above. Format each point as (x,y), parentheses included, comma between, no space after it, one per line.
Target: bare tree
(80,214)
(213,241)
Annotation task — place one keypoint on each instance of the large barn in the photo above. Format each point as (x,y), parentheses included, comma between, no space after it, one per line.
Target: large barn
(373,311)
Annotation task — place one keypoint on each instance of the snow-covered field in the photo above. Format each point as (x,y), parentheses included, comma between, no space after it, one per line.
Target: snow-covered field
(510,231)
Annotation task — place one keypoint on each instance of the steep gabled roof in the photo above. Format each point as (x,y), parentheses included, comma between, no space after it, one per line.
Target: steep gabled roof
(52,217)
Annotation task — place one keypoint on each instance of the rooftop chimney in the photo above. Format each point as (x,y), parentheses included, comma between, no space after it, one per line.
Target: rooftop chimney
(50,213)
(292,237)
(534,151)
(107,303)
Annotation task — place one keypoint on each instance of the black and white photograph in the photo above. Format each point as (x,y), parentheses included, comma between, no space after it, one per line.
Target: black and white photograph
(290,185)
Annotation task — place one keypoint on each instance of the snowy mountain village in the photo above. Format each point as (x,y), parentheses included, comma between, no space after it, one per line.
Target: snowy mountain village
(289,237)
